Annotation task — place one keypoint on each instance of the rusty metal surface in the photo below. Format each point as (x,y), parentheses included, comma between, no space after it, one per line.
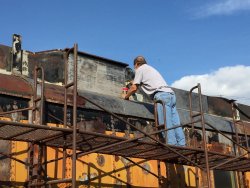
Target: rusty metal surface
(108,71)
(18,86)
(244,111)
(5,147)
(15,86)
(200,114)
(241,127)
(99,58)
(23,87)
(111,73)
(219,106)
(182,98)
(85,54)
(87,141)
(5,57)
(55,94)
(146,111)
(52,63)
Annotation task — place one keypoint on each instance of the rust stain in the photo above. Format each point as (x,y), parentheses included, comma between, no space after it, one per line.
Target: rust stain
(55,93)
(219,147)
(4,56)
(243,127)
(219,106)
(52,62)
(14,85)
(18,86)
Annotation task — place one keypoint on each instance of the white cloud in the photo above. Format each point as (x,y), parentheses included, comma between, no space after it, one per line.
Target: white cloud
(223,7)
(230,82)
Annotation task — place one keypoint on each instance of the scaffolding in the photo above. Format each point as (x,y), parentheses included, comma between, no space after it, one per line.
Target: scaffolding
(40,135)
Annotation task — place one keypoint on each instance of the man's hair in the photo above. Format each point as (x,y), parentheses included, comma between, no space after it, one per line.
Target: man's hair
(140,60)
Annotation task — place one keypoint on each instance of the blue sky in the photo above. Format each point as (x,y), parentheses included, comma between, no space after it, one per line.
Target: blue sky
(181,38)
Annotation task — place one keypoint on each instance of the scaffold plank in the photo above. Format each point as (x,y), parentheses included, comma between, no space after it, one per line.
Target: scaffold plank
(88,141)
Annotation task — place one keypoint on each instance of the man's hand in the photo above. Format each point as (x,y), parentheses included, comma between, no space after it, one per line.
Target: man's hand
(123,96)
(131,91)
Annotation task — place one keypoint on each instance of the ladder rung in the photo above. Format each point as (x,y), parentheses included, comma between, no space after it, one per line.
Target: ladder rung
(238,121)
(69,85)
(160,126)
(196,114)
(243,141)
(37,99)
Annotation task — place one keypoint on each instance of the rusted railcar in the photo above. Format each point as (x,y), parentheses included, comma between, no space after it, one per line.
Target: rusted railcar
(101,80)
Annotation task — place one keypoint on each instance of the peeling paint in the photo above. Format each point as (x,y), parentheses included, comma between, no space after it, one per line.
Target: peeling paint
(25,65)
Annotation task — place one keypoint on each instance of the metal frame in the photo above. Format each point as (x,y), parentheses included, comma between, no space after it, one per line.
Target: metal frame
(69,137)
(202,119)
(236,143)
(241,179)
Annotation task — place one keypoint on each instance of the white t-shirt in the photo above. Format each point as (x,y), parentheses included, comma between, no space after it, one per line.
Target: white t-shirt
(150,80)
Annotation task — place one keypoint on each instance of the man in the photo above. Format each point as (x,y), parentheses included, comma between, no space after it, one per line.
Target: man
(153,84)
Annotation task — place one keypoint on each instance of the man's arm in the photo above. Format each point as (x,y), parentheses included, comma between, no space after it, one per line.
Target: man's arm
(136,82)
(131,91)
